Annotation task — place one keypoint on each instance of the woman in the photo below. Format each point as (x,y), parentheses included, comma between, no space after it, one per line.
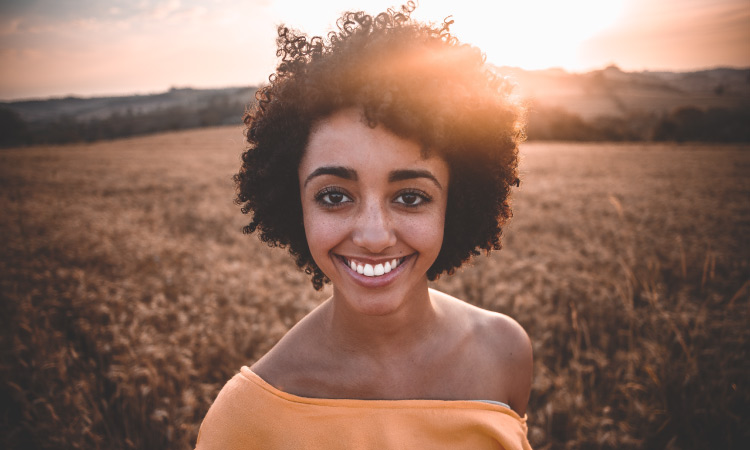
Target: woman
(381,158)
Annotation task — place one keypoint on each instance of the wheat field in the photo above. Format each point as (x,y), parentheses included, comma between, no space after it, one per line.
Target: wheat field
(130,295)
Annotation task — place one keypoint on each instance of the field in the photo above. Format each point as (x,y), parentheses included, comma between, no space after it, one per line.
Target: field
(129,294)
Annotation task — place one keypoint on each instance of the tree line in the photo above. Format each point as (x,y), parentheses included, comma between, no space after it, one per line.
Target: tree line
(684,124)
(15,131)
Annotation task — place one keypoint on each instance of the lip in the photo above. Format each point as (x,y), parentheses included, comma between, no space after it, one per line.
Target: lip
(374,282)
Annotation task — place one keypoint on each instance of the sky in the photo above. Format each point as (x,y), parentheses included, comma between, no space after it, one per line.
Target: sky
(55,48)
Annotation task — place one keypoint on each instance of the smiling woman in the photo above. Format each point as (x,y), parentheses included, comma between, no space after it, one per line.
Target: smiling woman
(374,211)
(381,158)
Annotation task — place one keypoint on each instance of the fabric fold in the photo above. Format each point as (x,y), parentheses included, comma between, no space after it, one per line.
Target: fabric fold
(250,413)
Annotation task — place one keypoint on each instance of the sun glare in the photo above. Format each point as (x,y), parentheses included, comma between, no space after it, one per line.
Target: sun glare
(532,34)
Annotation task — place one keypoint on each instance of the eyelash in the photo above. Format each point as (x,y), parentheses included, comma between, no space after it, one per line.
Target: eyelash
(320,197)
(422,197)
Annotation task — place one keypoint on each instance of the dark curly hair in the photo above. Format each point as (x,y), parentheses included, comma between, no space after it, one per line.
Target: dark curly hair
(414,79)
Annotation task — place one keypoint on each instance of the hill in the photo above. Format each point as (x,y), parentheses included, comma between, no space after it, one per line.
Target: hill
(601,105)
(612,105)
(97,108)
(612,92)
(74,119)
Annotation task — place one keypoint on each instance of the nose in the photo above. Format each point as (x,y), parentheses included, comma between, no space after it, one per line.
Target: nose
(374,229)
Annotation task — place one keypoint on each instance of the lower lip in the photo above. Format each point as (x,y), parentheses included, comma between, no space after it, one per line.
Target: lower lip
(375,282)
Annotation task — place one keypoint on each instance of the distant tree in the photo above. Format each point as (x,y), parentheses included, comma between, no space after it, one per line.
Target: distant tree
(13,129)
(728,125)
(632,127)
(689,123)
(665,129)
(558,124)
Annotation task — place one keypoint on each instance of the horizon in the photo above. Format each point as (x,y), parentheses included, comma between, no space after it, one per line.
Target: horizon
(256,85)
(100,49)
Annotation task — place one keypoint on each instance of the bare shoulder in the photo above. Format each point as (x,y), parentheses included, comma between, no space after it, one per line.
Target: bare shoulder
(504,350)
(295,351)
(498,330)
(508,337)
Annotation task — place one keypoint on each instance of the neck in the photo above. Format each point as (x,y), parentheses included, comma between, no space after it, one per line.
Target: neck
(383,336)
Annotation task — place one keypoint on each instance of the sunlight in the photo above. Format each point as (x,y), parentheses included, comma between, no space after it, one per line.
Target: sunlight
(537,34)
(532,34)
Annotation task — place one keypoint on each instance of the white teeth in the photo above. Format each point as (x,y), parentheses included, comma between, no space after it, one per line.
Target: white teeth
(377,270)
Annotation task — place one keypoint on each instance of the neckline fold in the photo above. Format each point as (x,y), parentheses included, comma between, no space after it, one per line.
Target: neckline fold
(488,405)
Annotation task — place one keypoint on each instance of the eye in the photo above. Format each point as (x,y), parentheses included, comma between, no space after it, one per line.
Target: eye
(332,197)
(412,198)
(335,198)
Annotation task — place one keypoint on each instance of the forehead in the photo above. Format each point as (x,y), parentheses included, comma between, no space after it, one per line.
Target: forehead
(345,139)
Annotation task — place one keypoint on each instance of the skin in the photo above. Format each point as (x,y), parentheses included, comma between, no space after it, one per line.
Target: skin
(369,195)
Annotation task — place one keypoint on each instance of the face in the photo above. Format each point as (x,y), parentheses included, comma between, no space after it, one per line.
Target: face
(374,212)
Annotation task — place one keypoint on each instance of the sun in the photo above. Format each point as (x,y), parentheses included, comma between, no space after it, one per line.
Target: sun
(532,34)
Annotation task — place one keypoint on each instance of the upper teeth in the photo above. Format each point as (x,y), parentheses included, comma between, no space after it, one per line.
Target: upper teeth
(369,270)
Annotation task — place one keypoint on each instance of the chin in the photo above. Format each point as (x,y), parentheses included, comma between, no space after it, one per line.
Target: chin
(381,301)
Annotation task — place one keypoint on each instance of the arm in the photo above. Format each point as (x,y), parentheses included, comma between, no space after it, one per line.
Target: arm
(514,362)
(521,360)
(227,424)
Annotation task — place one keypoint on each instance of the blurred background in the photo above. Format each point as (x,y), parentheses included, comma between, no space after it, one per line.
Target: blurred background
(629,70)
(129,295)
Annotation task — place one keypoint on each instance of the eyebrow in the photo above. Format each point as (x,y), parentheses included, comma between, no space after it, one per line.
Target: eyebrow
(338,171)
(408,174)
(348,173)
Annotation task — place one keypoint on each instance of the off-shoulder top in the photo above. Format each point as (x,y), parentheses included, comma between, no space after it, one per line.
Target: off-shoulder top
(250,413)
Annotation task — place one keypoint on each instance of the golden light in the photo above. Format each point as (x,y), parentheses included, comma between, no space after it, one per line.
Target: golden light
(532,34)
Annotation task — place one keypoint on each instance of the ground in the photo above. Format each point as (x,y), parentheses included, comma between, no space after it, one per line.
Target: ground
(129,294)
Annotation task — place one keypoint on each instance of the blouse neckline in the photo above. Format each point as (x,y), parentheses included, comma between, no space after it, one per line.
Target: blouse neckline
(489,405)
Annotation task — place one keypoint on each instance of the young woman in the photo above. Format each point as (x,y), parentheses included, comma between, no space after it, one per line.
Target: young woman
(381,158)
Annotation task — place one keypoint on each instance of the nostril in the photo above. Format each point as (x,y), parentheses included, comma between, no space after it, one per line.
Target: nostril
(375,240)
(374,233)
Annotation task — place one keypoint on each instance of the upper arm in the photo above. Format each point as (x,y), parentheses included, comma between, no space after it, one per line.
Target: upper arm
(515,362)
(228,422)
(216,426)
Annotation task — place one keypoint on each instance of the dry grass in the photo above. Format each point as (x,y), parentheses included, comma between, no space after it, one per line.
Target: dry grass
(129,296)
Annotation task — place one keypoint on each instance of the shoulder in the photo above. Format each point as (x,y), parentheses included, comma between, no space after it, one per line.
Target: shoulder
(512,357)
(508,338)
(229,418)
(503,351)
(297,356)
(497,330)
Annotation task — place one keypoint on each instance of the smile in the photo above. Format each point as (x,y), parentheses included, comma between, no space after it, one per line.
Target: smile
(372,270)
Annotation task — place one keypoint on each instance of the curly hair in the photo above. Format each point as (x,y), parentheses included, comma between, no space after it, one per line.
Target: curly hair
(418,81)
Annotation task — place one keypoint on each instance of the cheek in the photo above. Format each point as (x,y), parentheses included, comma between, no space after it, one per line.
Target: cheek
(438,223)
(427,234)
(322,232)
(436,233)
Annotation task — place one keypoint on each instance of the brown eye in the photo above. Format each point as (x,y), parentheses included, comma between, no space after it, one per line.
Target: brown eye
(332,197)
(412,198)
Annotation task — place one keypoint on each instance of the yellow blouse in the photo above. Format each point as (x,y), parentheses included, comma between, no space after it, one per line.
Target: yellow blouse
(251,414)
